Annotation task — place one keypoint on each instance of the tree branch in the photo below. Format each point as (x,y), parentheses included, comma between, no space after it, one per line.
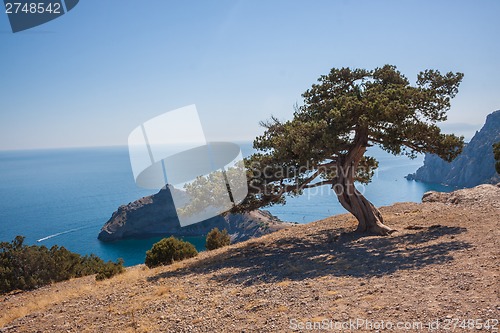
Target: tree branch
(325,182)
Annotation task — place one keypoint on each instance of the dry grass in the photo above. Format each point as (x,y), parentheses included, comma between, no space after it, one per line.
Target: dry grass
(32,302)
(163,290)
(282,308)
(44,298)
(284,283)
(331,293)
(316,319)
(256,304)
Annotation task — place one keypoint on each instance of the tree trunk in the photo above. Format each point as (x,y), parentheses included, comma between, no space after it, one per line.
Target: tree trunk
(369,218)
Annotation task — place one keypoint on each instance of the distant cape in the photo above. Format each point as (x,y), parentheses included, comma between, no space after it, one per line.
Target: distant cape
(474,166)
(155,215)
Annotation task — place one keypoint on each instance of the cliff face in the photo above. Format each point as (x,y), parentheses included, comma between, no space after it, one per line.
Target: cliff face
(155,215)
(474,166)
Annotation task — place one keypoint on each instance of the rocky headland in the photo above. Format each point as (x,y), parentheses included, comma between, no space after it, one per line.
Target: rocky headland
(155,215)
(474,166)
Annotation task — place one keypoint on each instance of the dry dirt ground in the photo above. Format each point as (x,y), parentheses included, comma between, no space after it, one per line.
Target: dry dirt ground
(439,273)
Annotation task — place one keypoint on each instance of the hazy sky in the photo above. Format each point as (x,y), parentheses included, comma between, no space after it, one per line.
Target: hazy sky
(91,76)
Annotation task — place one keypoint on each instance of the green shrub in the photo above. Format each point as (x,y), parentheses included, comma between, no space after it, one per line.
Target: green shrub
(25,267)
(168,250)
(217,239)
(110,269)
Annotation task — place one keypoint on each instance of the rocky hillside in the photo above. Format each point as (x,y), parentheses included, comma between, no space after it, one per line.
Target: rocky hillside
(155,215)
(474,166)
(439,270)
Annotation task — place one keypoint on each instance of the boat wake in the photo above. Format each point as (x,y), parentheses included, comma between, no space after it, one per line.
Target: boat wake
(59,234)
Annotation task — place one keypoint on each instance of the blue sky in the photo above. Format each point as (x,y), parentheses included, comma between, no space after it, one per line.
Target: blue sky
(91,76)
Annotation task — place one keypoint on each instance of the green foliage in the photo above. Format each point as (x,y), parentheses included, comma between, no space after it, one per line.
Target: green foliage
(110,269)
(168,250)
(496,152)
(346,112)
(210,192)
(204,192)
(217,239)
(28,267)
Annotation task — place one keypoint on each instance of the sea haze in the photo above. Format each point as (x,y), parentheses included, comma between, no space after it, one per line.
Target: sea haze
(64,196)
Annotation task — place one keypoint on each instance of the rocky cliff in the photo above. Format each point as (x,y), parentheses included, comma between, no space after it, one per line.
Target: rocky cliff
(155,215)
(474,166)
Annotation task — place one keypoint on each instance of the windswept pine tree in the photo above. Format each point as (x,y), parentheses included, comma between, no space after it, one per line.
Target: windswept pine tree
(346,112)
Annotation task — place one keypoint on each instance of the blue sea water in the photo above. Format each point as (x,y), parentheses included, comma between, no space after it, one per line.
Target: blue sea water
(64,196)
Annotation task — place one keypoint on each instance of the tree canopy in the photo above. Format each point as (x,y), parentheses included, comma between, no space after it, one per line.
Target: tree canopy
(346,112)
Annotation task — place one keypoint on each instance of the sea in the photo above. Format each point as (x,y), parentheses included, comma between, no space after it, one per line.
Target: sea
(64,196)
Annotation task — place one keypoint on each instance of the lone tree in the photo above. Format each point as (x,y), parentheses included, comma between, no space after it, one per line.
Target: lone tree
(348,111)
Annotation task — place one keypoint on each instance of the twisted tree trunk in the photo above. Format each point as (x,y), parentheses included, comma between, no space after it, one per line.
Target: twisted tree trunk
(369,218)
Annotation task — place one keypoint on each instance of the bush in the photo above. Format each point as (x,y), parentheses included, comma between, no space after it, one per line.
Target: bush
(168,250)
(110,269)
(217,239)
(25,267)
